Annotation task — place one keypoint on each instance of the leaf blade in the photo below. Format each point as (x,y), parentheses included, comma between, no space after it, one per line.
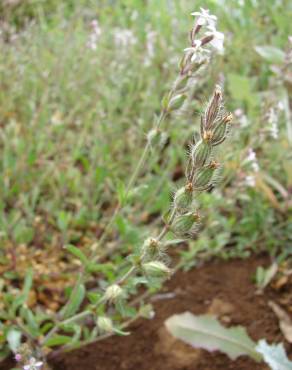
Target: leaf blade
(206,332)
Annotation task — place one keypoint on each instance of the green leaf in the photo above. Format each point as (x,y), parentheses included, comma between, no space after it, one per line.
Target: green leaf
(94,297)
(27,283)
(13,338)
(77,253)
(22,298)
(264,276)
(274,355)
(241,88)
(63,220)
(23,234)
(271,54)
(58,340)
(76,298)
(30,319)
(206,332)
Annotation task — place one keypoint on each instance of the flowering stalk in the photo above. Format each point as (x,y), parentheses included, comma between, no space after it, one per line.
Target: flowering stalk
(184,218)
(148,263)
(204,39)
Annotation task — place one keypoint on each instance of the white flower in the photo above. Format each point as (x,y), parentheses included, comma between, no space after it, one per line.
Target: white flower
(124,38)
(251,155)
(94,36)
(33,364)
(250,181)
(218,39)
(205,18)
(252,160)
(273,123)
(197,52)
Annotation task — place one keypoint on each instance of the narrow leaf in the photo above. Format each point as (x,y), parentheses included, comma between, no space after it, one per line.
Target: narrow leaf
(75,300)
(58,340)
(77,253)
(206,332)
(270,53)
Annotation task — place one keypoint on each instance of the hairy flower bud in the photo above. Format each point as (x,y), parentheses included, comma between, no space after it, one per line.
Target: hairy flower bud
(113,293)
(221,130)
(156,269)
(151,248)
(184,224)
(200,153)
(147,311)
(203,177)
(213,109)
(153,136)
(105,324)
(176,102)
(183,197)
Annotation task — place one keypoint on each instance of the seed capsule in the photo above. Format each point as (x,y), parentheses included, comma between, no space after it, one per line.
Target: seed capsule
(105,324)
(184,224)
(200,153)
(213,109)
(176,102)
(113,293)
(183,197)
(151,248)
(221,130)
(203,177)
(156,269)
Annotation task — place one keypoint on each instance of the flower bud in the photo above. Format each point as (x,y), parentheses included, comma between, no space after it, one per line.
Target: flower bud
(151,248)
(185,224)
(203,177)
(156,269)
(176,102)
(213,109)
(200,153)
(147,311)
(113,293)
(153,136)
(221,130)
(105,324)
(181,82)
(156,137)
(183,197)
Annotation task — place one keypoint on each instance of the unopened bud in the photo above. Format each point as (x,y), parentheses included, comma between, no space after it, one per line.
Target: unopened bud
(213,109)
(151,248)
(105,324)
(153,136)
(156,269)
(176,102)
(181,82)
(203,177)
(200,153)
(147,311)
(221,130)
(156,137)
(183,197)
(113,293)
(184,224)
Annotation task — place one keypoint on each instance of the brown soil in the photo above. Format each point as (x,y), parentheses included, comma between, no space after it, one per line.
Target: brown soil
(221,288)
